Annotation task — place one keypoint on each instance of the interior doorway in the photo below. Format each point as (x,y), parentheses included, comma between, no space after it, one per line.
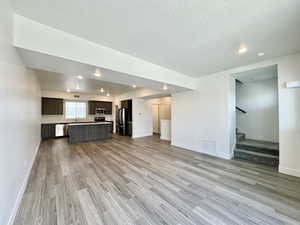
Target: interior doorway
(161,117)
(257,122)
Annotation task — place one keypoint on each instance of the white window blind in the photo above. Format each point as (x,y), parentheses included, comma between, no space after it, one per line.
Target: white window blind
(75,110)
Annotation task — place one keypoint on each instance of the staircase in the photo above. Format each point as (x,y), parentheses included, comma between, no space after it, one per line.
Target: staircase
(261,152)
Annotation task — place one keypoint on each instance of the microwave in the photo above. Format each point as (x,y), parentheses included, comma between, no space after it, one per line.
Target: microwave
(100,111)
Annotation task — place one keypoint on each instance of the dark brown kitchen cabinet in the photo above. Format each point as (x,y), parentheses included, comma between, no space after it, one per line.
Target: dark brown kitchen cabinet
(108,107)
(89,132)
(52,106)
(125,104)
(48,131)
(93,105)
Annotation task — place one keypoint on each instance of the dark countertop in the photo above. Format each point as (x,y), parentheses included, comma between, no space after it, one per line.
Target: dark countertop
(77,122)
(86,124)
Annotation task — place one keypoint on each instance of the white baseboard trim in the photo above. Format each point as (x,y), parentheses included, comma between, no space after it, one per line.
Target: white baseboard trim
(165,138)
(22,189)
(190,148)
(184,146)
(289,171)
(225,156)
(142,135)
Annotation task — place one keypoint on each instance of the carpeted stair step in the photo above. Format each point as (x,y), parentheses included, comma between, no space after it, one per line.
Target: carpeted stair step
(257,157)
(258,149)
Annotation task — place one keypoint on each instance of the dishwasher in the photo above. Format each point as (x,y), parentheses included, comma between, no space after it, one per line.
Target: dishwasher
(60,130)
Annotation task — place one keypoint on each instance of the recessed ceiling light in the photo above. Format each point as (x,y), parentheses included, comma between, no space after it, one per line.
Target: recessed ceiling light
(101,90)
(68,90)
(80,77)
(165,87)
(77,87)
(107,94)
(97,73)
(134,86)
(261,54)
(242,50)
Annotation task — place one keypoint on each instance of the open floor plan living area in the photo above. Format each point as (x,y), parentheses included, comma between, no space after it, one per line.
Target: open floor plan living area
(150,112)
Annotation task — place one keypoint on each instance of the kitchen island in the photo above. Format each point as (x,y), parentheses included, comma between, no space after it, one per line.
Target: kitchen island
(79,132)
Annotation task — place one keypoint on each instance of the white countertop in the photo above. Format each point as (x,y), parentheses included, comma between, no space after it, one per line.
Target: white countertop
(94,123)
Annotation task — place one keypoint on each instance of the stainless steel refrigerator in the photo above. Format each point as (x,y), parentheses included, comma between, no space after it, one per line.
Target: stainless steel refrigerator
(123,119)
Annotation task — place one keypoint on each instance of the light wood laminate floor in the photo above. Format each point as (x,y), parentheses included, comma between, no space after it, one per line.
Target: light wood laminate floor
(147,181)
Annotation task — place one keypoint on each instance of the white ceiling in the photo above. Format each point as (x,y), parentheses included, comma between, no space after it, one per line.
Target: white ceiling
(193,37)
(264,73)
(62,74)
(61,82)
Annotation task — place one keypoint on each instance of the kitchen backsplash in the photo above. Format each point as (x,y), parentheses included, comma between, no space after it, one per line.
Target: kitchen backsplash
(62,119)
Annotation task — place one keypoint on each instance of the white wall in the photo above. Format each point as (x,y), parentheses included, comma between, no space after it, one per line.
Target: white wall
(137,93)
(165,130)
(20,117)
(142,117)
(204,120)
(200,119)
(70,96)
(165,111)
(142,122)
(142,100)
(161,110)
(155,118)
(260,100)
(232,114)
(289,116)
(164,107)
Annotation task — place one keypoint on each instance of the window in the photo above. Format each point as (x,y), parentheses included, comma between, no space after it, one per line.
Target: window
(75,110)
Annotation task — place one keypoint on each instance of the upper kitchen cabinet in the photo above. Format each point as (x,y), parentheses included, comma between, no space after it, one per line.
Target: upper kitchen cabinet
(52,106)
(107,107)
(93,105)
(125,104)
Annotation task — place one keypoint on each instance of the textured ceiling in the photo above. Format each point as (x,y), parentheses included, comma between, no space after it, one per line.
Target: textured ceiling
(193,37)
